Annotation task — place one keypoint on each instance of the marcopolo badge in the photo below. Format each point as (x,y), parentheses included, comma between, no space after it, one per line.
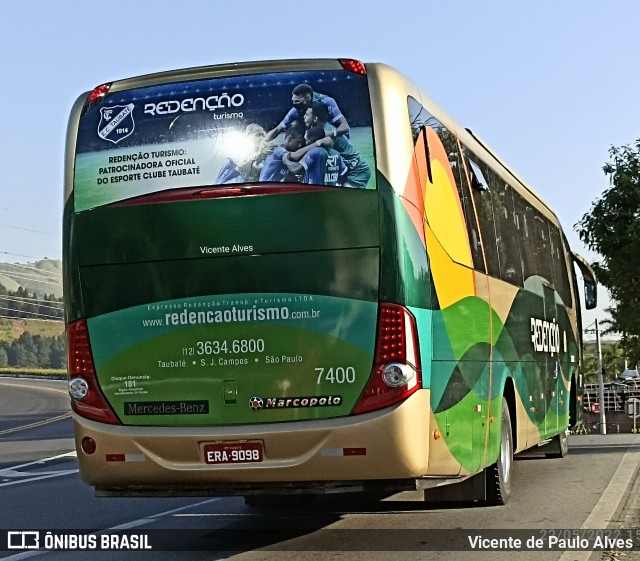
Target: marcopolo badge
(256,403)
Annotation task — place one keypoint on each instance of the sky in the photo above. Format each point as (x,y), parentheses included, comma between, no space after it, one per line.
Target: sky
(550,85)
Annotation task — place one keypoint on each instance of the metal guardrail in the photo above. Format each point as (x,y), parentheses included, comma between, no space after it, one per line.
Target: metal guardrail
(616,395)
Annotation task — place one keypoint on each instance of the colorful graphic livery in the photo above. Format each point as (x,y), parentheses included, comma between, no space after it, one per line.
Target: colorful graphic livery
(303,277)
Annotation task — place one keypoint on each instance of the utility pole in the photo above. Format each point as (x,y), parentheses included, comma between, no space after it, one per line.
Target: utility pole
(603,418)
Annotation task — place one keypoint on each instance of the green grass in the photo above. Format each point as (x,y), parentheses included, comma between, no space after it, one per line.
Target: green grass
(44,372)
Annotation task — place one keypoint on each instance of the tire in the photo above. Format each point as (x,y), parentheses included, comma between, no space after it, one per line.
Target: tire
(559,446)
(498,475)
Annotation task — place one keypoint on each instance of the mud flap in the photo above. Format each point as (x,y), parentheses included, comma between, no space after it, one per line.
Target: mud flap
(470,490)
(556,447)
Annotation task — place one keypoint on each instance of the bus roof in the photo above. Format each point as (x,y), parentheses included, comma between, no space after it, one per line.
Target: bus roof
(231,69)
(466,136)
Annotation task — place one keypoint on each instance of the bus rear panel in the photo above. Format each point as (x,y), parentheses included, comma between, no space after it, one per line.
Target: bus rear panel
(225,329)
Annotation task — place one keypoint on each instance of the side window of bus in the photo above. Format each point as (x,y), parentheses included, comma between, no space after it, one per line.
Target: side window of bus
(560,271)
(524,213)
(543,247)
(455,159)
(421,118)
(535,248)
(506,229)
(480,190)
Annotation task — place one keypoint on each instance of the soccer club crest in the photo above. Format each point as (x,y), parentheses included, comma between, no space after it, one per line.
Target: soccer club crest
(116,122)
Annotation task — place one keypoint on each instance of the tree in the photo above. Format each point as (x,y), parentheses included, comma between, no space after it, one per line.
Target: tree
(58,352)
(612,229)
(612,361)
(26,353)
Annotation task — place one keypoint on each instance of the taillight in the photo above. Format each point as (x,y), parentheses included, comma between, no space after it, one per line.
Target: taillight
(98,92)
(396,369)
(87,399)
(354,66)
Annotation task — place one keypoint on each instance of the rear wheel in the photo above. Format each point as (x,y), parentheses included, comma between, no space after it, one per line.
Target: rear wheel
(558,447)
(498,475)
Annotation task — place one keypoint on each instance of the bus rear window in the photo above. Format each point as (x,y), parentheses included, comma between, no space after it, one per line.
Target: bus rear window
(295,127)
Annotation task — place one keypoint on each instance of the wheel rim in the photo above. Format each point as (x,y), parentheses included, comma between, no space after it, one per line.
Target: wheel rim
(564,443)
(505,450)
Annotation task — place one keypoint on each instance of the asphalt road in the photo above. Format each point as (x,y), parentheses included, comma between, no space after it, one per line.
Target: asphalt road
(594,488)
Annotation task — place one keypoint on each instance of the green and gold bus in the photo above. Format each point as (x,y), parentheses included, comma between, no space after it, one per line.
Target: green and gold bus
(302,276)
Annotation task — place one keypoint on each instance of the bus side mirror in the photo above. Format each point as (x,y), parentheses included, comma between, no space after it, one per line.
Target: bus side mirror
(590,281)
(590,295)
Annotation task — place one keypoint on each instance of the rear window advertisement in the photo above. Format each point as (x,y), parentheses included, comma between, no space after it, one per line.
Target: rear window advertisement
(299,127)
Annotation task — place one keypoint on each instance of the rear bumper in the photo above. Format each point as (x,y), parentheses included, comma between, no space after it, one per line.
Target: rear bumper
(392,444)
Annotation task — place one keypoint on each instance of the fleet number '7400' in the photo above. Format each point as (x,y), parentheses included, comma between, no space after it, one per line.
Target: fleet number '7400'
(337,375)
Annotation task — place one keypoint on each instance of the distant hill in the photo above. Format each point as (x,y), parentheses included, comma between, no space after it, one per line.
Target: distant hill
(41,277)
(12,329)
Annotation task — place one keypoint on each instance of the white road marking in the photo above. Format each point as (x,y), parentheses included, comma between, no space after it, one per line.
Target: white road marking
(19,477)
(606,507)
(126,526)
(37,423)
(33,387)
(40,462)
(39,477)
(39,388)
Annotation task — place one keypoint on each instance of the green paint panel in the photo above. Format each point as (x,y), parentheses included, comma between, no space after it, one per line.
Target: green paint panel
(259,224)
(341,273)
(281,357)
(324,242)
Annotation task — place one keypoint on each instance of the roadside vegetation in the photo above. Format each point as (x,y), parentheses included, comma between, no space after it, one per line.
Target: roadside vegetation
(32,339)
(613,361)
(611,228)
